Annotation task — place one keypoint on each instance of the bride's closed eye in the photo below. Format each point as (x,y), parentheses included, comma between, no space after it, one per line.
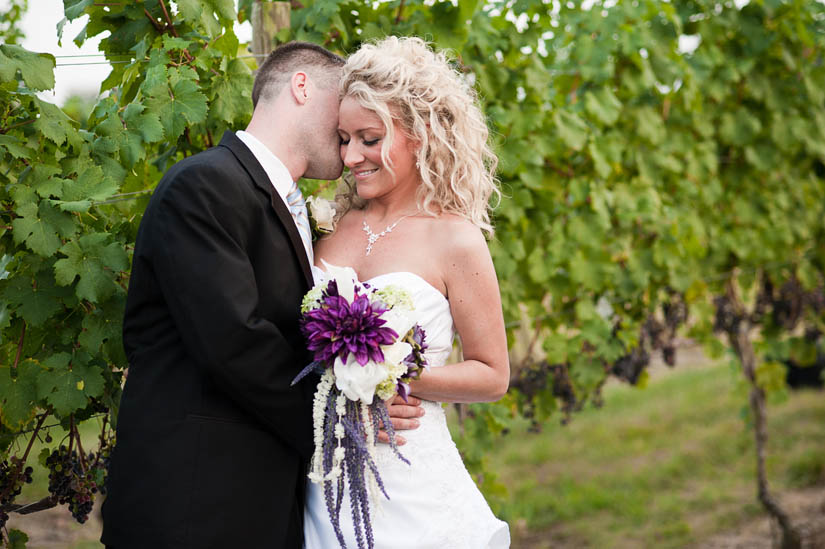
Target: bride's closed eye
(367,142)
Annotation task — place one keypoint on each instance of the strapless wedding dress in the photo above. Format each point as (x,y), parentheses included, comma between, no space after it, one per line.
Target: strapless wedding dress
(434,502)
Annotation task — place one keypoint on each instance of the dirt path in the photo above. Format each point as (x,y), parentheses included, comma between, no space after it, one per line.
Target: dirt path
(57,529)
(807,509)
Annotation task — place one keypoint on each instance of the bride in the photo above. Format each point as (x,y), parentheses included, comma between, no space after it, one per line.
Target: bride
(415,215)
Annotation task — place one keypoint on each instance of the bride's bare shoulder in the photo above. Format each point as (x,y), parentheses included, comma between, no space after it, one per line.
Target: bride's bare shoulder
(456,236)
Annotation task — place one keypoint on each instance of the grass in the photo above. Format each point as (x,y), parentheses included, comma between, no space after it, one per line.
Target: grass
(664,466)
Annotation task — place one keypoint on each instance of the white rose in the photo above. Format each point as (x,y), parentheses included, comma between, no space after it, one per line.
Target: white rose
(395,353)
(358,382)
(398,321)
(322,212)
(346,279)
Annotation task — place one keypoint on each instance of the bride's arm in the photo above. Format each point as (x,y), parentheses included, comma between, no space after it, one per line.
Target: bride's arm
(475,303)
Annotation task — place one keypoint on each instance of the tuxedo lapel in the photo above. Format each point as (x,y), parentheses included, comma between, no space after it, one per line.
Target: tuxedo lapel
(261,179)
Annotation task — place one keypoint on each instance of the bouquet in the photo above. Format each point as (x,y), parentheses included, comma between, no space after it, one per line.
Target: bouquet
(368,348)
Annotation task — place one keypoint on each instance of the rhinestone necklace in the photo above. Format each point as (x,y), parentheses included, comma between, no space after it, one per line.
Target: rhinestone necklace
(372,237)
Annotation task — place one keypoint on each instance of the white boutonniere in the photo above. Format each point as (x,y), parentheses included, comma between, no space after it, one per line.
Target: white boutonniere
(321,216)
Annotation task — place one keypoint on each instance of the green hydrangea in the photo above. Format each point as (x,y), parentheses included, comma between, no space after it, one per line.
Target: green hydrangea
(396,296)
(312,299)
(386,389)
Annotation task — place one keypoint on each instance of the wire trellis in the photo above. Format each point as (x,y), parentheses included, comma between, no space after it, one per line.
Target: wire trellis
(118,62)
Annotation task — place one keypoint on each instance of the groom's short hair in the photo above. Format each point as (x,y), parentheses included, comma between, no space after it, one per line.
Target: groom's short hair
(321,64)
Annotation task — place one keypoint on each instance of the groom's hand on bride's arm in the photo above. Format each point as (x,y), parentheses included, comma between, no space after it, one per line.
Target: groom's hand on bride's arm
(404,416)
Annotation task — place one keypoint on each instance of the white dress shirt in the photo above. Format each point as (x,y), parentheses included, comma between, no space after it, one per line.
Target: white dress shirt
(278,174)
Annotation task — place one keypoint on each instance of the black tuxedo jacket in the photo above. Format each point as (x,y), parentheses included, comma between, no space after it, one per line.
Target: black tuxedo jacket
(212,442)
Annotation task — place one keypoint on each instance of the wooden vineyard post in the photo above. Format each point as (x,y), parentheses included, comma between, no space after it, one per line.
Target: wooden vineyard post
(268,18)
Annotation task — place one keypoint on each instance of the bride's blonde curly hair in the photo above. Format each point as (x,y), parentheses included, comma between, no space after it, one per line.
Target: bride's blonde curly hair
(403,79)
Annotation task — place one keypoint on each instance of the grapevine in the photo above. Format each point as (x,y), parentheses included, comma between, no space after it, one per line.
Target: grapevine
(12,477)
(650,193)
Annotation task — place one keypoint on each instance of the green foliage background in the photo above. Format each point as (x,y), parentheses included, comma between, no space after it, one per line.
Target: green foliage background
(635,176)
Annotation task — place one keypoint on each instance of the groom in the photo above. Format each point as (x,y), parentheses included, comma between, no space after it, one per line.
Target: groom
(212,442)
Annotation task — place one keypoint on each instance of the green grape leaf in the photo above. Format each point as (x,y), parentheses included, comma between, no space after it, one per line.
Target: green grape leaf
(146,123)
(36,69)
(177,101)
(15,147)
(600,162)
(39,236)
(45,182)
(5,320)
(60,386)
(650,126)
(224,8)
(175,43)
(94,262)
(34,300)
(537,266)
(91,185)
(5,260)
(232,98)
(55,125)
(18,394)
(201,13)
(189,101)
(572,129)
(227,44)
(603,105)
(38,227)
(97,328)
(76,8)
(585,271)
(128,136)
(17,539)
(739,127)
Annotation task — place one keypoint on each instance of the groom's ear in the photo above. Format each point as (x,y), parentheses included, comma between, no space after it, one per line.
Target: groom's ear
(298,85)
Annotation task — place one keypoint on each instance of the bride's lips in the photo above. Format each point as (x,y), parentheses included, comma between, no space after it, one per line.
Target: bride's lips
(361,174)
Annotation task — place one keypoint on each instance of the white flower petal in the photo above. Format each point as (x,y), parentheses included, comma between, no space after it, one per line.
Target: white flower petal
(358,382)
(395,353)
(322,212)
(346,279)
(398,321)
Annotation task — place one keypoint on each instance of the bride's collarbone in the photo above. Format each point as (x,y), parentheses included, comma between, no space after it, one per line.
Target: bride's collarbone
(395,252)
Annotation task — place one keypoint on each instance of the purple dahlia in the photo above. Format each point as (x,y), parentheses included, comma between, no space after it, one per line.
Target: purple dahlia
(338,328)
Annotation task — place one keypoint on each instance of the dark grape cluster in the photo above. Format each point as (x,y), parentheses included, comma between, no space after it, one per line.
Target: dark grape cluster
(784,307)
(533,380)
(12,478)
(728,316)
(630,366)
(563,390)
(656,333)
(74,482)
